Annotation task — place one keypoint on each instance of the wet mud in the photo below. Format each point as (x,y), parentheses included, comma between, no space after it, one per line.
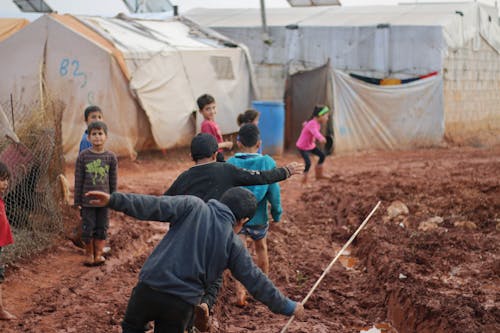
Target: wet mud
(432,267)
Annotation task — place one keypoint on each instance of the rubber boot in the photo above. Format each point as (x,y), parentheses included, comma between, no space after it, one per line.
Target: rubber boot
(304,177)
(76,237)
(319,172)
(98,251)
(89,253)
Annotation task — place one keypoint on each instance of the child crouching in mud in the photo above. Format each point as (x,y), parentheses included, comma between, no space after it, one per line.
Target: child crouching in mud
(201,243)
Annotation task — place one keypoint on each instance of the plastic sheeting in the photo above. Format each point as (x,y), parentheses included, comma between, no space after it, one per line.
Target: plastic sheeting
(420,33)
(171,63)
(119,64)
(82,74)
(370,117)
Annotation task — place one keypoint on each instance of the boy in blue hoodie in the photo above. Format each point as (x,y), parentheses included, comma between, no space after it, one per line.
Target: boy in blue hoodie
(201,242)
(248,158)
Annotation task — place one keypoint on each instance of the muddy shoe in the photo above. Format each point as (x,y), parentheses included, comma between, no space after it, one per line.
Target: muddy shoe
(89,254)
(98,252)
(202,317)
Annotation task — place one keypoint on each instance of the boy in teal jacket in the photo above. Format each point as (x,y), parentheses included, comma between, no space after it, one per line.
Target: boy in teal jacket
(249,158)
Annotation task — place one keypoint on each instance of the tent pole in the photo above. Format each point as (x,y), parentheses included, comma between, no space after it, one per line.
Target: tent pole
(265,32)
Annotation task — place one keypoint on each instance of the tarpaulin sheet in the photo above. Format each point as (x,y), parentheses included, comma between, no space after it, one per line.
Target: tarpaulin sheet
(370,117)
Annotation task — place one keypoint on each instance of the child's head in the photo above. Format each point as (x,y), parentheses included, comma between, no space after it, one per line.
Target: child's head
(97,133)
(249,136)
(207,106)
(242,204)
(203,145)
(93,113)
(321,112)
(4,178)
(97,125)
(249,116)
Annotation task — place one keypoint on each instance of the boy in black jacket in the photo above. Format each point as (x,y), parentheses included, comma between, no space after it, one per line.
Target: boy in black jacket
(209,179)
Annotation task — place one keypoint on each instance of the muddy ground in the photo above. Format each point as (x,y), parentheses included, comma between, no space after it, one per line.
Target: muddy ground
(400,274)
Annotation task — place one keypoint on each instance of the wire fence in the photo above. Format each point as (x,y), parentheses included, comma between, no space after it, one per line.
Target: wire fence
(35,159)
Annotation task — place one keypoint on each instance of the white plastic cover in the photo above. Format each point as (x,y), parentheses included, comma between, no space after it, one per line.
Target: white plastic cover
(170,67)
(77,76)
(371,117)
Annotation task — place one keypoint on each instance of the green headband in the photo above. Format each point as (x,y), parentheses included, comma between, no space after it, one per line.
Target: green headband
(323,111)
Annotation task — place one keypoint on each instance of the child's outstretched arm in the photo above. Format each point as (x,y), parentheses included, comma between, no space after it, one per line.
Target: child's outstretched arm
(146,207)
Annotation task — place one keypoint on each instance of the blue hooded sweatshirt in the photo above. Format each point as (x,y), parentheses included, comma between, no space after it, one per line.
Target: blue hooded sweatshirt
(264,193)
(199,245)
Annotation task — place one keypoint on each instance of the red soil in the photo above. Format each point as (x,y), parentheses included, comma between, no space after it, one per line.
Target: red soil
(441,280)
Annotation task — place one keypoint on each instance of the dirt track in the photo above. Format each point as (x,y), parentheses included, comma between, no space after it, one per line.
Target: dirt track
(444,279)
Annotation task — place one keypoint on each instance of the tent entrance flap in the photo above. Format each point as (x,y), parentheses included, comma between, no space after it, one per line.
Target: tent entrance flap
(369,117)
(303,91)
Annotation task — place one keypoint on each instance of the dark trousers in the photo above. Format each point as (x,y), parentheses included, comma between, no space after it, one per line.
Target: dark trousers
(307,160)
(169,313)
(95,223)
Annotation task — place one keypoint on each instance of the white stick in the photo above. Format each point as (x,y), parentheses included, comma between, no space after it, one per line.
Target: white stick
(331,264)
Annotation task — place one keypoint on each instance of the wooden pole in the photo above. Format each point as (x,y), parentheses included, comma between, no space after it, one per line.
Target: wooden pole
(12,113)
(332,262)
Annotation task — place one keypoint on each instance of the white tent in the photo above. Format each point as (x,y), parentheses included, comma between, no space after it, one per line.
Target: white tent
(460,41)
(145,75)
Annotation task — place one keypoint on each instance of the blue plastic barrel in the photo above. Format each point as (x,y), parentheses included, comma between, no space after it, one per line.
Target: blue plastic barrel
(271,126)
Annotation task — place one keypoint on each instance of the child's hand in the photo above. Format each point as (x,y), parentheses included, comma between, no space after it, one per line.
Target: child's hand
(295,168)
(299,311)
(226,145)
(273,226)
(100,199)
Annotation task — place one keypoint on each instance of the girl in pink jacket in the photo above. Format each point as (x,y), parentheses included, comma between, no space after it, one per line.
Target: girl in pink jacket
(306,142)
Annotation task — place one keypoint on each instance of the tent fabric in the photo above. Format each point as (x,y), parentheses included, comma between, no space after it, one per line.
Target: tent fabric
(144,74)
(304,90)
(369,117)
(490,30)
(77,76)
(457,22)
(169,69)
(10,26)
(80,27)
